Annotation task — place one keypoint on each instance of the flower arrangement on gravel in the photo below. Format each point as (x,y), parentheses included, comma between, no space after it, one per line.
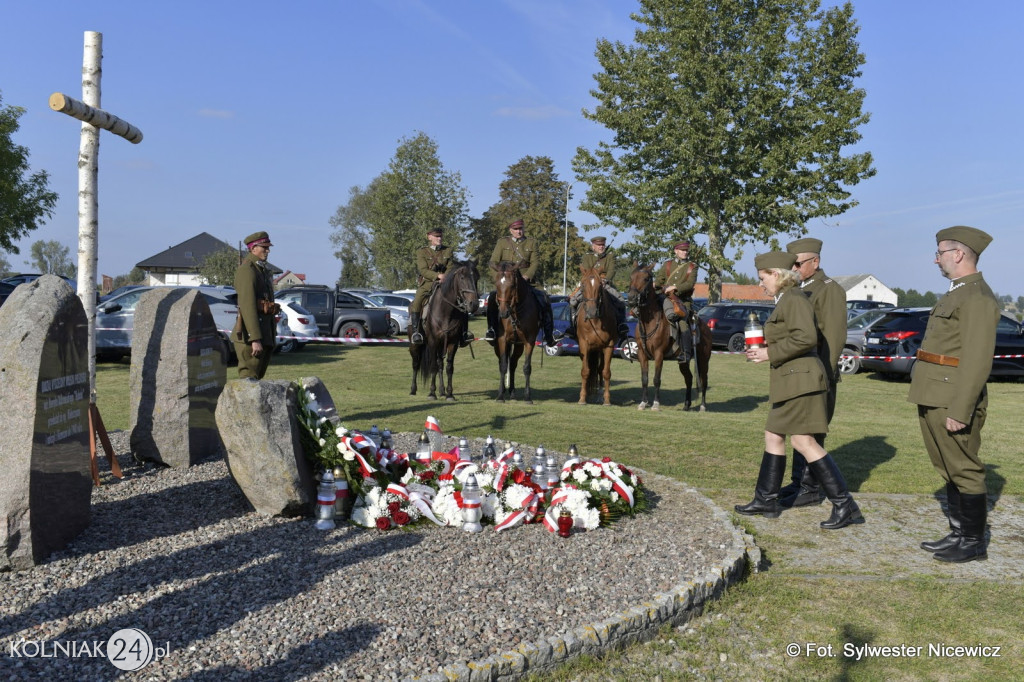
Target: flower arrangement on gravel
(609,488)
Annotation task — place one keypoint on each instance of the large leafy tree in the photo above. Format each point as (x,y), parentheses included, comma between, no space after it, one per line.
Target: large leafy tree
(219,267)
(24,199)
(382,225)
(531,191)
(5,266)
(729,119)
(50,257)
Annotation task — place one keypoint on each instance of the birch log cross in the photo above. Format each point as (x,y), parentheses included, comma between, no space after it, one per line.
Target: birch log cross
(93,118)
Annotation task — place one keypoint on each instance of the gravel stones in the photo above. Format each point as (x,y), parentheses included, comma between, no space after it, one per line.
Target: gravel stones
(178,554)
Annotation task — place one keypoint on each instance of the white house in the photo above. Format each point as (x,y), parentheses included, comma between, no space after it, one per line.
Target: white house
(865,288)
(179,265)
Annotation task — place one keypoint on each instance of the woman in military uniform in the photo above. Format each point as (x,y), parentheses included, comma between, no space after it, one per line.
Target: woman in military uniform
(674,283)
(254,332)
(796,391)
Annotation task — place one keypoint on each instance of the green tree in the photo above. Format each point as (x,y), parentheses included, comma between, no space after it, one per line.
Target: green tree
(218,268)
(533,192)
(739,278)
(1020,303)
(50,257)
(384,224)
(24,199)
(912,298)
(135,276)
(729,119)
(5,266)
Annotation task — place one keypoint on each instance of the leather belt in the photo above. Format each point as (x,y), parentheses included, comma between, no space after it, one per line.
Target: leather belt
(936,359)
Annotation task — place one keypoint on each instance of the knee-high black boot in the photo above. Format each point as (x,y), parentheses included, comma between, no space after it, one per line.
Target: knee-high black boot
(844,510)
(972,545)
(799,466)
(492,318)
(953,514)
(415,337)
(804,490)
(766,491)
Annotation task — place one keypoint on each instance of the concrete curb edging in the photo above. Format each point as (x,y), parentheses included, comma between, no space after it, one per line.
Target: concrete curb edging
(637,624)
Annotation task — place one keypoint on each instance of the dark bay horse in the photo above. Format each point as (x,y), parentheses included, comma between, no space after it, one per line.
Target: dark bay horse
(445,319)
(596,332)
(519,320)
(654,340)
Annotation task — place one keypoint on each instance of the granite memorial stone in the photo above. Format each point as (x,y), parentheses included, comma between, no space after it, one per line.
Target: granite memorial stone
(45,474)
(179,367)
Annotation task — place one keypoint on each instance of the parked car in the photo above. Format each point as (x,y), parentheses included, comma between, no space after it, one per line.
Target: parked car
(567,346)
(856,307)
(338,313)
(120,290)
(727,321)
(295,321)
(856,329)
(29,277)
(6,289)
(115,319)
(893,341)
(398,304)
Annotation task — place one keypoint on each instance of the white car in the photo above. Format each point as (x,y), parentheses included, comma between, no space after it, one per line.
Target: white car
(295,321)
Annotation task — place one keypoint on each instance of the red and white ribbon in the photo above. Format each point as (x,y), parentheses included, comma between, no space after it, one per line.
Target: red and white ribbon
(624,491)
(506,454)
(529,510)
(432,424)
(450,459)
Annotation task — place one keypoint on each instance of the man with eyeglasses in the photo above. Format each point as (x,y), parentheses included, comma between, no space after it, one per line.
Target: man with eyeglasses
(829,301)
(518,248)
(948,386)
(253,335)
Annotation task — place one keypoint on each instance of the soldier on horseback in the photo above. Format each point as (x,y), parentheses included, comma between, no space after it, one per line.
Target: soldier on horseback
(600,258)
(432,262)
(518,248)
(675,282)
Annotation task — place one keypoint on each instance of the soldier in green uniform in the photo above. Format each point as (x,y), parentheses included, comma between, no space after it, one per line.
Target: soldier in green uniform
(254,334)
(948,387)
(829,301)
(518,248)
(600,258)
(796,391)
(432,262)
(674,284)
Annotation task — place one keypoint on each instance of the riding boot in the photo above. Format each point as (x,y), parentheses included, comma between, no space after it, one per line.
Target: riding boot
(972,545)
(620,320)
(548,321)
(685,343)
(844,510)
(570,331)
(766,491)
(416,337)
(492,319)
(804,490)
(953,515)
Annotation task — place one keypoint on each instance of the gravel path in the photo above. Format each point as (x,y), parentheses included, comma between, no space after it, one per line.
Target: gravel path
(233,595)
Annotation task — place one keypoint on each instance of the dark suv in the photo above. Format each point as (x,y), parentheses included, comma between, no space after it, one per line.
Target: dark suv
(727,321)
(892,342)
(856,307)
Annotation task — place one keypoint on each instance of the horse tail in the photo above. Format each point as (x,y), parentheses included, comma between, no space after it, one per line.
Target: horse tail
(428,360)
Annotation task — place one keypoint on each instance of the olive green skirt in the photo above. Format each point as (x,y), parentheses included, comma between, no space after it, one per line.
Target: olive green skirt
(802,414)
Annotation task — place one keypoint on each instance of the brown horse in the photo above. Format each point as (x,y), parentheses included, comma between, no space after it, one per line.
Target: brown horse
(519,320)
(445,319)
(596,332)
(654,340)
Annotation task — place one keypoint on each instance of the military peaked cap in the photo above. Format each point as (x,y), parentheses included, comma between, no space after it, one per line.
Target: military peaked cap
(257,239)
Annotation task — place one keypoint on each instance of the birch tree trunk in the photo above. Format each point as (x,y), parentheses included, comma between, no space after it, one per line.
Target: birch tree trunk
(88,211)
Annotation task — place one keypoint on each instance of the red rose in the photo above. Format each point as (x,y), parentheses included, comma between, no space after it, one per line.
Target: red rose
(426,475)
(394,507)
(606,460)
(383,523)
(519,476)
(401,518)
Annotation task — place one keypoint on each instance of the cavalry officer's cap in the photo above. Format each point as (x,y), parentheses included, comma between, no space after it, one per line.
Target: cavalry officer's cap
(774,260)
(514,224)
(598,240)
(805,245)
(681,245)
(970,236)
(257,239)
(436,230)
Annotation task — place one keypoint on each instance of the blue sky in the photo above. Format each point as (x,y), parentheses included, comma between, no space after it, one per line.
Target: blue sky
(262,115)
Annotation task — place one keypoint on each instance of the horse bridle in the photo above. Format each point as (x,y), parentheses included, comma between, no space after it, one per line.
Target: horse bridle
(464,303)
(596,300)
(641,301)
(512,302)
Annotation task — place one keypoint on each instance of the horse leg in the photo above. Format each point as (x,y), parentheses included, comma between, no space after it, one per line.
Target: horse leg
(414,352)
(503,363)
(527,370)
(606,374)
(451,370)
(584,372)
(659,362)
(684,367)
(702,375)
(644,365)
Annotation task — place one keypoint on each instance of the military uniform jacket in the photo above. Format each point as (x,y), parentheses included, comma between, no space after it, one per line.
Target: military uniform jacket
(253,283)
(524,251)
(792,339)
(829,301)
(680,274)
(605,263)
(962,325)
(430,262)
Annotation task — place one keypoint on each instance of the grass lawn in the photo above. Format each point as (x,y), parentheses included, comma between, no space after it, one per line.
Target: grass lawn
(875,439)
